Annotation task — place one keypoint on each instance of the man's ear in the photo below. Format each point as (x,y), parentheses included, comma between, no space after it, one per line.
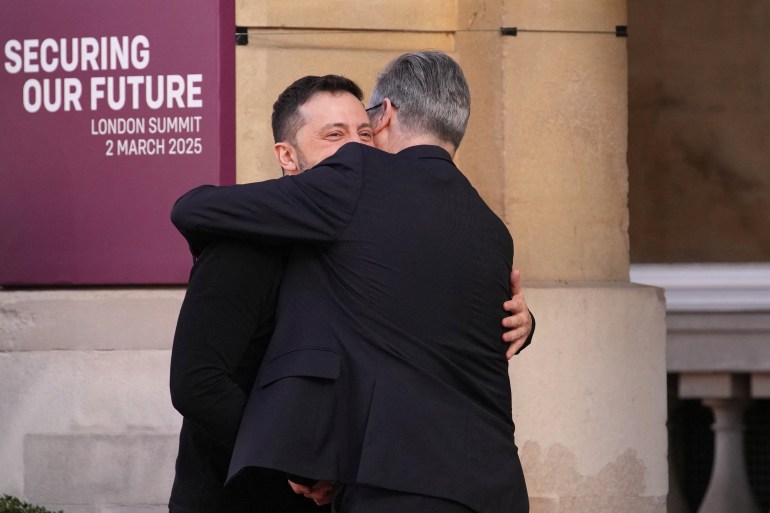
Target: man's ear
(383,118)
(287,157)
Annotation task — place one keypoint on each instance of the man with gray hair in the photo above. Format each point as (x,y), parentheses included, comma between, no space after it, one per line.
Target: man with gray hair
(385,371)
(432,98)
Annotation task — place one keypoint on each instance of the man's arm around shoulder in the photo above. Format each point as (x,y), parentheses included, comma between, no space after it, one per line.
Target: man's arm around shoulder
(314,206)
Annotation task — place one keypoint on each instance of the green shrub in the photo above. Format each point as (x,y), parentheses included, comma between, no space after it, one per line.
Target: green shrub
(10,504)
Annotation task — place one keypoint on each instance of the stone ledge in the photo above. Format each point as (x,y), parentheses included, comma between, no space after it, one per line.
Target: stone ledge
(91,319)
(401,15)
(718,342)
(709,287)
(713,386)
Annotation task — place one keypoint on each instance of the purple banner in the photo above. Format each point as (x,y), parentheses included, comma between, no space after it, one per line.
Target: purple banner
(110,111)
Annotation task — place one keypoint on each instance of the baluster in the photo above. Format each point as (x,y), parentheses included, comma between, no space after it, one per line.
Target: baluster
(728,489)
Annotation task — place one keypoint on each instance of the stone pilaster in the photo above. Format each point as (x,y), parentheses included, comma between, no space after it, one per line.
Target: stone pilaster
(590,394)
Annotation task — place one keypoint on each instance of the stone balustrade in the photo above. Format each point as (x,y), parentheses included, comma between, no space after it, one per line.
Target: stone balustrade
(718,346)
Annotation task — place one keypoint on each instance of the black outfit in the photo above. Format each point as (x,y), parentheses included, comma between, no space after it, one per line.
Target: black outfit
(386,369)
(224,326)
(365,499)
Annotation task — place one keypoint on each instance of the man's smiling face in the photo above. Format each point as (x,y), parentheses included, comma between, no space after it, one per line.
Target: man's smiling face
(330,120)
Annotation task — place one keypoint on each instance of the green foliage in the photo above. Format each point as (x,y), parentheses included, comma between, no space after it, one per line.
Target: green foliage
(10,504)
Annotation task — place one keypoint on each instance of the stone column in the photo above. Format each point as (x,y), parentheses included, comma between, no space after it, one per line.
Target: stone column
(590,394)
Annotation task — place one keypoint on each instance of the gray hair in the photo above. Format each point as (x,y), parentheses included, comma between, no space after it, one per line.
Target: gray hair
(430,92)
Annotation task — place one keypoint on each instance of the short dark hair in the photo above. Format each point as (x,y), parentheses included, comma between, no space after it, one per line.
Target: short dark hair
(286,118)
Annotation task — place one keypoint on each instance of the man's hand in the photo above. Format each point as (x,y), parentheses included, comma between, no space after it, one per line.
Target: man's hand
(322,492)
(519,322)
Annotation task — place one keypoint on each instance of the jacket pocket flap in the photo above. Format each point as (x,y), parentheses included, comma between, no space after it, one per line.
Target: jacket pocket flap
(309,362)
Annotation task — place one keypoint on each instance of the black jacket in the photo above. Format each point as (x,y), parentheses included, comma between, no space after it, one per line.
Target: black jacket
(222,333)
(386,367)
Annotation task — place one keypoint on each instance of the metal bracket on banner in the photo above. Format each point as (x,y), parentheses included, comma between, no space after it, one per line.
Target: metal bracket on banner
(241,36)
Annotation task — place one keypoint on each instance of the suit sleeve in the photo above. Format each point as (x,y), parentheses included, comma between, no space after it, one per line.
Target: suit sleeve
(314,207)
(229,299)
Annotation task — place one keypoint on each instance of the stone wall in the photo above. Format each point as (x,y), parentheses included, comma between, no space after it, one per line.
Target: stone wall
(87,424)
(699,130)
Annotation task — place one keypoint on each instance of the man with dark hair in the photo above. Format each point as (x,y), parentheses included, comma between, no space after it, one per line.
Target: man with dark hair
(228,313)
(385,371)
(291,112)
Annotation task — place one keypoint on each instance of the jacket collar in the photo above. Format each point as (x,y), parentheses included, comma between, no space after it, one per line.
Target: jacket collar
(425,151)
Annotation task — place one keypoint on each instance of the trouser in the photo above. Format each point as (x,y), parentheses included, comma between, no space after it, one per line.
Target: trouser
(364,499)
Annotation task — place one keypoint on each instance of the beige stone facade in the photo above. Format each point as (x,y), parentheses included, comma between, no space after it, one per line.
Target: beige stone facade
(546,144)
(546,147)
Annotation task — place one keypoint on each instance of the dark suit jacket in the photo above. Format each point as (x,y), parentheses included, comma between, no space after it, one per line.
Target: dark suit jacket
(386,367)
(222,333)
